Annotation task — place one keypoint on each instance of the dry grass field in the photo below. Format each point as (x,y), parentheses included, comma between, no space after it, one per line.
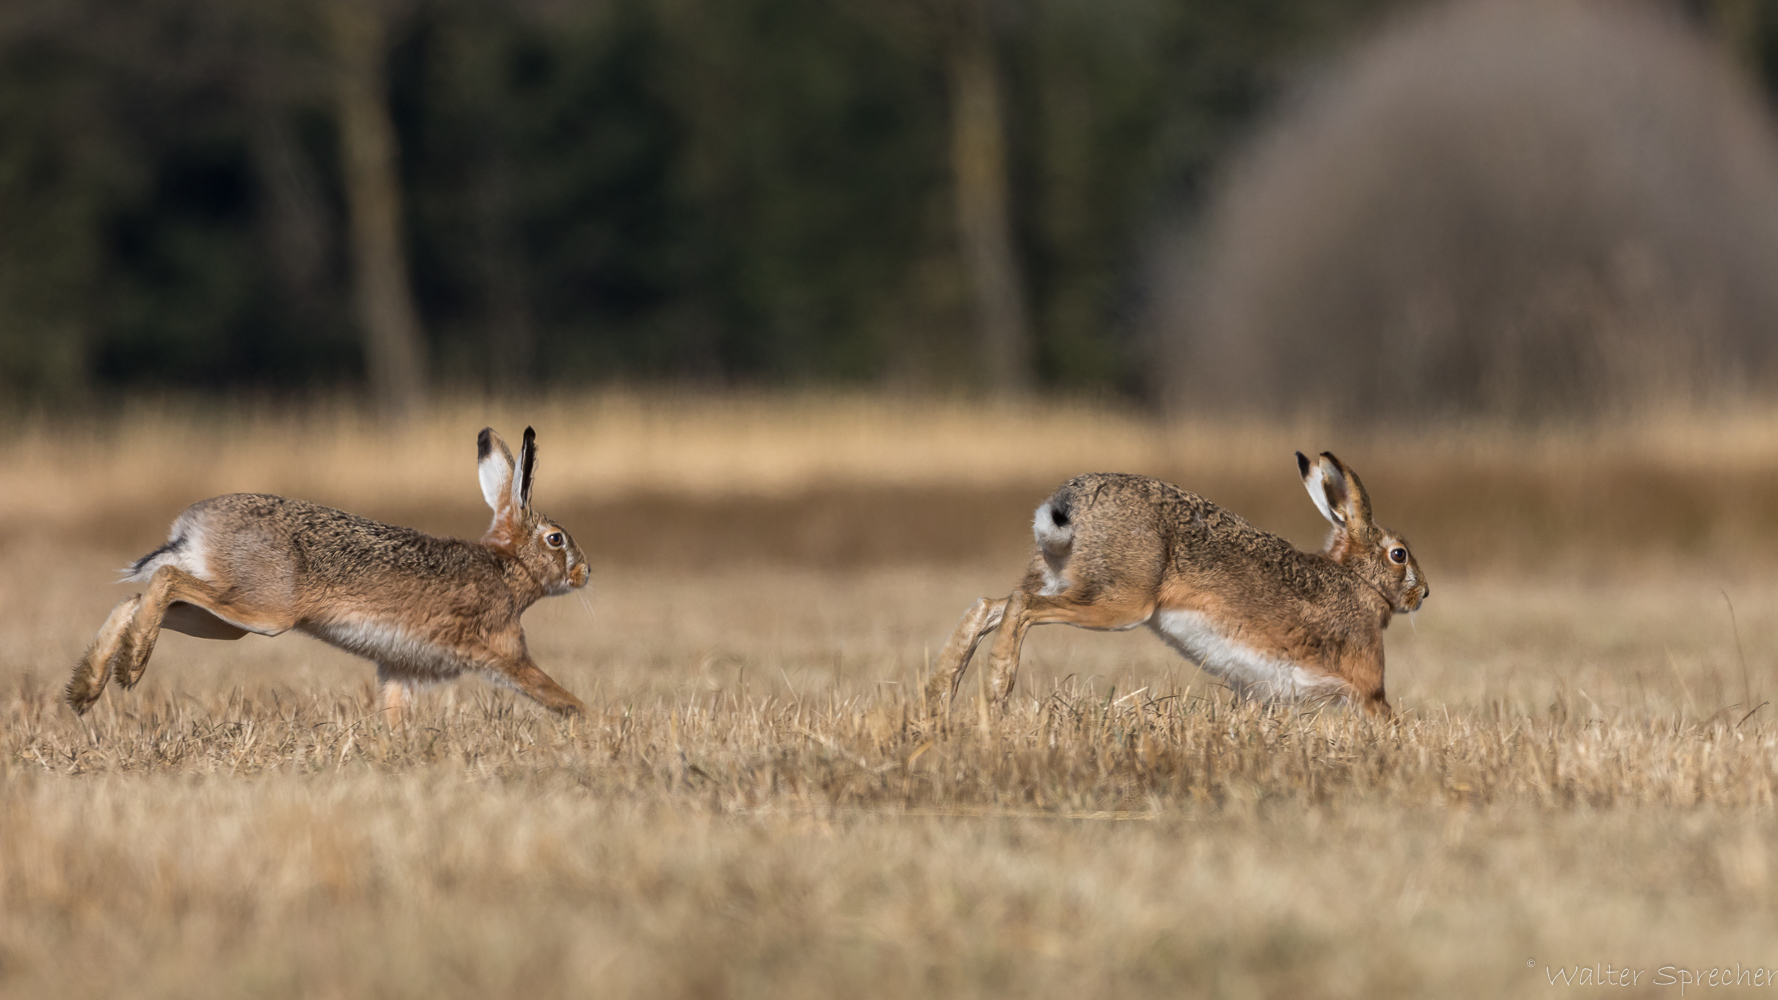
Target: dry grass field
(1582,774)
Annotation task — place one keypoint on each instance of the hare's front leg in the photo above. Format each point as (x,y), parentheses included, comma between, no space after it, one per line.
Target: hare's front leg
(109,649)
(395,692)
(982,617)
(542,688)
(507,660)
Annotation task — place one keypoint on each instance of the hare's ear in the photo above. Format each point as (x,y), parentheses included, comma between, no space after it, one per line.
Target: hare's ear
(1345,494)
(1327,500)
(493,465)
(521,488)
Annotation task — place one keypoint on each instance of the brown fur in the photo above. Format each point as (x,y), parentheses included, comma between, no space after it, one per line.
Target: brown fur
(1129,550)
(423,608)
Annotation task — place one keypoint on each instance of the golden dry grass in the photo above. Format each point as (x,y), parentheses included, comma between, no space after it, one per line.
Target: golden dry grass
(774,479)
(757,805)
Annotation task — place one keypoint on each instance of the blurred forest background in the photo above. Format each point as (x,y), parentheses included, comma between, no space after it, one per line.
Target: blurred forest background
(1133,197)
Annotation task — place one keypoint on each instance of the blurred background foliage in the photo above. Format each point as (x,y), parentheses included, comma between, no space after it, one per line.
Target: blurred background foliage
(722,191)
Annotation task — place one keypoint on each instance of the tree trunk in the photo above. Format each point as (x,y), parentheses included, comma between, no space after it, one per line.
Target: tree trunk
(395,353)
(984,222)
(511,342)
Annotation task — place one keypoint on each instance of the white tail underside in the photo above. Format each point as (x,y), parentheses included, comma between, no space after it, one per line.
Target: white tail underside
(1056,541)
(190,552)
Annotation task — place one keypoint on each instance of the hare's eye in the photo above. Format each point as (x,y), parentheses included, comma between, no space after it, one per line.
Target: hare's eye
(1399,554)
(554,539)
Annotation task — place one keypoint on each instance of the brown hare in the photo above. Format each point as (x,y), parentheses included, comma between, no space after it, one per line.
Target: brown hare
(1116,551)
(422,608)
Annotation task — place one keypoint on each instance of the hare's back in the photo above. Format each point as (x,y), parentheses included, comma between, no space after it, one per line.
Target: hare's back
(1103,507)
(1114,512)
(271,548)
(1206,549)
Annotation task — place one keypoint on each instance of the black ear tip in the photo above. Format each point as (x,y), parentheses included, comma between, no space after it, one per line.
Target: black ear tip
(1302,463)
(527,465)
(1330,457)
(484,443)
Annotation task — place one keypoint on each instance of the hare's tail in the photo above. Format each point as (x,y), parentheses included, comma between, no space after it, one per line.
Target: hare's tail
(184,548)
(144,567)
(1053,526)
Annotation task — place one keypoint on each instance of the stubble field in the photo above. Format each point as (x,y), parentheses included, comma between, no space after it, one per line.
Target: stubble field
(1582,772)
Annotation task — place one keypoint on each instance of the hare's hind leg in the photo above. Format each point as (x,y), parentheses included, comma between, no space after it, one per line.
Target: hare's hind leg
(982,617)
(1103,612)
(109,650)
(171,585)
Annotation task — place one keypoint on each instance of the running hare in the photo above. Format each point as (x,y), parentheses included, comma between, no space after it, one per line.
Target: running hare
(1117,551)
(423,608)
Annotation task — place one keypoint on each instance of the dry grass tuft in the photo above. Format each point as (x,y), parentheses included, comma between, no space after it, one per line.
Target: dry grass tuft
(735,843)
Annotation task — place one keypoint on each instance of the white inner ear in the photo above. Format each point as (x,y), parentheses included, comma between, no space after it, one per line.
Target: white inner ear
(496,475)
(1316,482)
(518,481)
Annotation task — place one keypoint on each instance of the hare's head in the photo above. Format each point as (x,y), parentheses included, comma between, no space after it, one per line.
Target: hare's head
(1379,556)
(537,542)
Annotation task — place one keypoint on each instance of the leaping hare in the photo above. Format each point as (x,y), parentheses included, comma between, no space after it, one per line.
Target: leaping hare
(423,608)
(1116,551)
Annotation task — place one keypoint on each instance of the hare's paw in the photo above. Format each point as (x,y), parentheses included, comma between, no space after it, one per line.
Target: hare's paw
(100,659)
(83,689)
(938,693)
(96,666)
(131,658)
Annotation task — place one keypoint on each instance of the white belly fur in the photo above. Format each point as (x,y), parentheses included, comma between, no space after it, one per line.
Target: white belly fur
(388,645)
(1248,671)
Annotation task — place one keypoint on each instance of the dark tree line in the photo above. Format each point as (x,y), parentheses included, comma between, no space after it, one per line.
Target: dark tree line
(294,194)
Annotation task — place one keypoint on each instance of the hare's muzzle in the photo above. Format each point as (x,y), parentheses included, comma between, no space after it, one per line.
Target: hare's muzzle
(1418,596)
